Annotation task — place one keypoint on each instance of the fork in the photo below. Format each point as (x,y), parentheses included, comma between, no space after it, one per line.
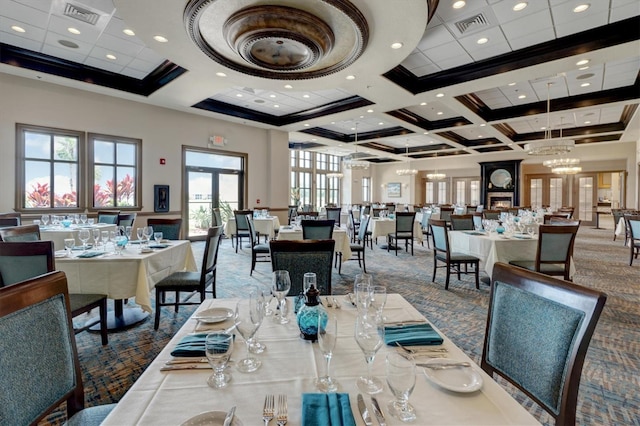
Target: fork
(267,411)
(420,350)
(282,416)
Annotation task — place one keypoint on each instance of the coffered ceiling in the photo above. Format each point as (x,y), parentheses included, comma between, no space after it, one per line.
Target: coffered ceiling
(459,81)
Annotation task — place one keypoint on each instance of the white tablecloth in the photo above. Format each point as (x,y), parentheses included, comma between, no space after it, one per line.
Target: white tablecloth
(263,225)
(380,227)
(340,235)
(133,274)
(58,234)
(289,367)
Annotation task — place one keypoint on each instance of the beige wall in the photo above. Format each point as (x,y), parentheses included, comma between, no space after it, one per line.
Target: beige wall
(163,133)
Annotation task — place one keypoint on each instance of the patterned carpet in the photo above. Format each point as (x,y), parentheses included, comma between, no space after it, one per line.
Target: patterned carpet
(610,379)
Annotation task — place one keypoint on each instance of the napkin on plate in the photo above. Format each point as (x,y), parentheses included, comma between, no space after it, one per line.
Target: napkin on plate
(191,345)
(322,409)
(412,335)
(89,254)
(158,246)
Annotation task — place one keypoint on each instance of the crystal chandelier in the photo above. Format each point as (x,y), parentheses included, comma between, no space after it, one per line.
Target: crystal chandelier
(548,146)
(335,175)
(436,175)
(563,165)
(408,171)
(351,162)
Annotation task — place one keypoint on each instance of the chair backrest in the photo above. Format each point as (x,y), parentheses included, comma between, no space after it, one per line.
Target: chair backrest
(317,229)
(210,256)
(547,217)
(617,214)
(555,245)
(365,210)
(471,209)
(241,219)
(307,208)
(38,351)
(537,334)
(352,219)
(126,219)
(12,215)
(376,211)
(391,207)
(362,230)
(480,208)
(477,220)
(439,235)
(9,221)
(20,261)
(404,222)
(445,213)
(253,236)
(216,216)
(462,222)
(426,215)
(491,214)
(333,213)
(299,257)
(171,228)
(20,233)
(567,209)
(108,216)
(292,213)
(633,224)
(556,220)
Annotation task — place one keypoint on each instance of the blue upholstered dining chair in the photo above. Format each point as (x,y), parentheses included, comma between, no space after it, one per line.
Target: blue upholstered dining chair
(191,282)
(554,252)
(445,213)
(462,222)
(259,252)
(633,224)
(242,227)
(491,214)
(9,221)
(12,215)
(424,224)
(38,355)
(171,228)
(403,232)
(360,246)
(317,229)
(537,335)
(108,216)
(477,220)
(452,261)
(126,219)
(20,233)
(301,256)
(333,213)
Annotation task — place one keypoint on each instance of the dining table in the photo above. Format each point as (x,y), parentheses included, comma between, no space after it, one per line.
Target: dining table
(132,274)
(340,236)
(265,226)
(381,226)
(174,393)
(58,234)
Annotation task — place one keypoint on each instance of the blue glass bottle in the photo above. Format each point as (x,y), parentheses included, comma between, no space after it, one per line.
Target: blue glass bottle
(309,313)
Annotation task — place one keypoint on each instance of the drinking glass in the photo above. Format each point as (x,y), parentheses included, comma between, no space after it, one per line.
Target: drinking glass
(96,237)
(531,230)
(369,334)
(127,232)
(90,221)
(362,291)
(158,237)
(401,378)
(119,242)
(218,347)
(105,239)
(309,279)
(36,222)
(378,300)
(147,233)
(281,284)
(83,218)
(255,346)
(84,235)
(327,336)
(45,219)
(140,234)
(68,245)
(76,218)
(248,317)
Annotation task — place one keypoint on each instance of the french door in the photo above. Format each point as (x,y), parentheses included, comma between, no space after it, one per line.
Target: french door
(585,195)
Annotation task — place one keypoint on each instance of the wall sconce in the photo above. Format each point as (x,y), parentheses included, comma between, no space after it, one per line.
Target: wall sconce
(382,185)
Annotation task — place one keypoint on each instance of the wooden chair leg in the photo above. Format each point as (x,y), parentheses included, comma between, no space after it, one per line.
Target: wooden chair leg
(103,322)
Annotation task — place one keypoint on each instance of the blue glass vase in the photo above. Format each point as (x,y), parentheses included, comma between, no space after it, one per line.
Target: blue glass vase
(309,313)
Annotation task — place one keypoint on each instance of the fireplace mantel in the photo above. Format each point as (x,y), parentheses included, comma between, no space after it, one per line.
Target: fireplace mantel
(500,182)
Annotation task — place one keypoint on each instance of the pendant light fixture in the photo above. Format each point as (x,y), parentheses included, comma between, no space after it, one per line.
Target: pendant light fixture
(436,175)
(351,161)
(407,171)
(549,146)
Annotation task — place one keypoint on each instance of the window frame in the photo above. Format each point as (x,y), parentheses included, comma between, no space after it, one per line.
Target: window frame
(320,187)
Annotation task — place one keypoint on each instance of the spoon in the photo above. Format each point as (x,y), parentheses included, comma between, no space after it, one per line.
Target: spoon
(229,417)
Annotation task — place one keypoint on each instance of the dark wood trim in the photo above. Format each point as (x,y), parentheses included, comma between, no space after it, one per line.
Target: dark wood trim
(603,138)
(586,41)
(494,148)
(348,138)
(572,133)
(417,120)
(35,61)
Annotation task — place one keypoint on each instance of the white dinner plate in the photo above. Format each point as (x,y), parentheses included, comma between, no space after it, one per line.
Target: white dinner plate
(211,418)
(61,253)
(213,315)
(463,379)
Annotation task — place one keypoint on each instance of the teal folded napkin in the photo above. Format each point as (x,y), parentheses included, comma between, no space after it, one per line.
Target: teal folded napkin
(523,237)
(81,248)
(473,232)
(158,246)
(327,409)
(411,335)
(89,254)
(191,345)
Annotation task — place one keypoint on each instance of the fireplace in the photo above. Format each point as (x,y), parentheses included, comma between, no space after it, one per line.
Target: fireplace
(499,200)
(500,184)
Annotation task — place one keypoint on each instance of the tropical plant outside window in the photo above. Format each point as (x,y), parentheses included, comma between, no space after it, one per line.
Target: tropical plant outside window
(115,161)
(309,183)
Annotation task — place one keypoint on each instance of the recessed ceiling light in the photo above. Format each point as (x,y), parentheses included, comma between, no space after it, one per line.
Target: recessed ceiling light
(439,95)
(369,110)
(362,116)
(583,68)
(423,103)
(306,124)
(272,96)
(582,62)
(350,77)
(18,29)
(111,56)
(479,136)
(483,124)
(510,144)
(585,85)
(482,40)
(430,142)
(522,96)
(68,43)
(239,95)
(512,84)
(519,6)
(276,106)
(288,86)
(221,74)
(459,4)
(313,139)
(425,133)
(543,128)
(160,39)
(381,123)
(128,32)
(581,8)
(439,113)
(73,30)
(587,122)
(396,45)
(305,96)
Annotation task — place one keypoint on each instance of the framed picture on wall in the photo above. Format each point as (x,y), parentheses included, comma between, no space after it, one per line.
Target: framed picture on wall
(393,190)
(160,198)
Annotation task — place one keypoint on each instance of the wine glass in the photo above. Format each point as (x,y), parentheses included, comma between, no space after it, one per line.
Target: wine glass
(127,232)
(281,284)
(83,218)
(45,219)
(327,336)
(119,242)
(218,347)
(401,378)
(84,235)
(140,234)
(362,291)
(158,237)
(531,230)
(255,346)
(91,221)
(378,299)
(96,237)
(248,317)
(147,232)
(369,334)
(68,245)
(106,238)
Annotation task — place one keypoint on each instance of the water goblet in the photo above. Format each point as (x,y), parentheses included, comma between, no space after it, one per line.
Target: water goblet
(255,346)
(140,234)
(378,300)
(96,237)
(401,378)
(248,317)
(84,235)
(90,221)
(76,218)
(281,284)
(369,334)
(218,347)
(45,219)
(327,337)
(106,238)
(531,230)
(127,232)
(68,245)
(158,237)
(147,232)
(362,291)
(119,242)
(83,218)
(36,222)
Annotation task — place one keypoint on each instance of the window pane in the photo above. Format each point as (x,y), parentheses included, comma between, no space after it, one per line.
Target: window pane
(37,145)
(210,160)
(126,153)
(37,184)
(442,192)
(65,184)
(555,193)
(103,152)
(126,188)
(66,148)
(475,192)
(103,191)
(535,187)
(430,195)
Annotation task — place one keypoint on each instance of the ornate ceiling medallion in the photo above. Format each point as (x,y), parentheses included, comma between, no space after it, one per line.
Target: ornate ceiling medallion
(278,41)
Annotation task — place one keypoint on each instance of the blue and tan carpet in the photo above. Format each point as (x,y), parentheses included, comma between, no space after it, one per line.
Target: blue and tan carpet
(610,386)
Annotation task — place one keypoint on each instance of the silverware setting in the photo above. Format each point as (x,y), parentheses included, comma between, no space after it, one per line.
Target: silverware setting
(186,361)
(229,417)
(282,413)
(364,412)
(336,303)
(329,305)
(444,365)
(268,410)
(378,412)
(421,350)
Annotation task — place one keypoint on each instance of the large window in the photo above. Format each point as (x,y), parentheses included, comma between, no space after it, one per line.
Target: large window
(366,189)
(466,191)
(309,182)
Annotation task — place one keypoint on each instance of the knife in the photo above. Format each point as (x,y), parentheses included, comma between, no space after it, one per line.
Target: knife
(229,417)
(185,367)
(363,411)
(378,412)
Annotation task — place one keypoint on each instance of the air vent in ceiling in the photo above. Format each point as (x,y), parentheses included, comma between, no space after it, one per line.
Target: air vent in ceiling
(81,14)
(479,20)
(472,24)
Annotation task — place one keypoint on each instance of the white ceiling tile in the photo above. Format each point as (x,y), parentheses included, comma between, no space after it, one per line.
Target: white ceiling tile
(426,70)
(22,13)
(119,45)
(446,64)
(64,53)
(449,14)
(624,11)
(495,49)
(435,36)
(143,66)
(100,53)
(88,33)
(22,42)
(469,43)
(103,65)
(31,32)
(36,4)
(133,73)
(503,10)
(52,39)
(415,60)
(545,34)
(447,51)
(530,24)
(115,28)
